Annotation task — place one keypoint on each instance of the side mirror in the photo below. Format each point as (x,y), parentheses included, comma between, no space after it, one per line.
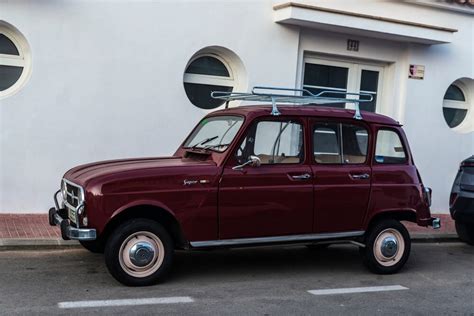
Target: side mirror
(253,161)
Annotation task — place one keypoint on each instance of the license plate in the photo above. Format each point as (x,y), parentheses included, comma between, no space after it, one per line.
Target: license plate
(72,215)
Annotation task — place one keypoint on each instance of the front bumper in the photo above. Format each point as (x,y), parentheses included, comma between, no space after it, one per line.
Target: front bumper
(58,217)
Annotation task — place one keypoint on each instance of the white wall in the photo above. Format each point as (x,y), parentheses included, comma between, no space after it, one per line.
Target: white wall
(107,83)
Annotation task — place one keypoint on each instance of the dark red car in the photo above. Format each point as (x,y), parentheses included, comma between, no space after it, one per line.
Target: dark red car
(245,177)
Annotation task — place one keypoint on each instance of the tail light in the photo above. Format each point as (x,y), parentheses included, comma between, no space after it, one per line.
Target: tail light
(427,195)
(467,164)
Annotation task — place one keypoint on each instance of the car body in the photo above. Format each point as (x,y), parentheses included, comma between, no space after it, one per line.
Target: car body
(461,202)
(310,175)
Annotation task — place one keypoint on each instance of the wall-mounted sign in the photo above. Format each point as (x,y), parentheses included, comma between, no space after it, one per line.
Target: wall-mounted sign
(353,45)
(416,72)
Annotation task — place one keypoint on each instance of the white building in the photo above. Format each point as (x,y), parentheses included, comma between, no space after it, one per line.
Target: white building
(82,81)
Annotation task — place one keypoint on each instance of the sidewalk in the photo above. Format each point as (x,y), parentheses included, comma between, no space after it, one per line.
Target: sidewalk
(31,230)
(447,232)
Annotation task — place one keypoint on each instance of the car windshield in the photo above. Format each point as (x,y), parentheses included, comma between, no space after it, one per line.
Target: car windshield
(215,133)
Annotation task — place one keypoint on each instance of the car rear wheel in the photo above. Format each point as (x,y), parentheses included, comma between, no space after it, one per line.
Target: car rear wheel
(139,253)
(465,232)
(387,247)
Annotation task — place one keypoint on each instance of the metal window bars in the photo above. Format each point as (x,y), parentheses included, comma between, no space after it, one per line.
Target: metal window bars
(298,96)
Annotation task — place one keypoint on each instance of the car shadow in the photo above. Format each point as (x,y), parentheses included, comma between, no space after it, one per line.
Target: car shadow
(265,262)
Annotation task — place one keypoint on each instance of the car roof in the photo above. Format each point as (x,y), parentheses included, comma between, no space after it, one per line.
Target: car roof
(252,111)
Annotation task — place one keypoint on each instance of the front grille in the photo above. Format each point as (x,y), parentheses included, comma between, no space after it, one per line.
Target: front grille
(73,195)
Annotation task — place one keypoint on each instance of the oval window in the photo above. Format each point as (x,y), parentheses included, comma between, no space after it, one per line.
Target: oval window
(14,60)
(455,106)
(206,74)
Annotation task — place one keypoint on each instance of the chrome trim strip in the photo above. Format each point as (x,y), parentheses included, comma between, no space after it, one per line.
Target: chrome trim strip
(275,239)
(427,195)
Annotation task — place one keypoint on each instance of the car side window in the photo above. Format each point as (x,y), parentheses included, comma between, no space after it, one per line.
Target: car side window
(389,148)
(340,143)
(354,143)
(326,143)
(274,142)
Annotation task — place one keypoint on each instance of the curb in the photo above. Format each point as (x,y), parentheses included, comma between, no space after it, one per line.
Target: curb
(33,244)
(434,238)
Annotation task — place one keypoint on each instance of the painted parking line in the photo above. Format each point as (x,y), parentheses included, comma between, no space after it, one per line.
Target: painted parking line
(127,302)
(358,290)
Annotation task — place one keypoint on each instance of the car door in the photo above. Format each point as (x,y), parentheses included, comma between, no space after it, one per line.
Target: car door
(342,174)
(275,198)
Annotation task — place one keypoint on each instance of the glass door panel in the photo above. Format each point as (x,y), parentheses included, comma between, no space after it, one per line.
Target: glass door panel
(369,80)
(341,77)
(318,78)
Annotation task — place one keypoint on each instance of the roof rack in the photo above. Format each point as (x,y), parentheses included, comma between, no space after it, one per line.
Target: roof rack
(297,96)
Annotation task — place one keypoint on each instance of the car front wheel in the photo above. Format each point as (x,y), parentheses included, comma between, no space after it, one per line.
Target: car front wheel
(465,232)
(139,253)
(387,247)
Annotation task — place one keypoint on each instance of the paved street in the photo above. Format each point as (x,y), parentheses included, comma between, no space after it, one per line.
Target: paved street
(438,279)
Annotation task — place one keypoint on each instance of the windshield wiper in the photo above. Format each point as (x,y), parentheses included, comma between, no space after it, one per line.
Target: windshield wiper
(215,145)
(207,140)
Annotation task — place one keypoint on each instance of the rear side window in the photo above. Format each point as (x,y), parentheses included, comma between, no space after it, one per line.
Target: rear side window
(389,148)
(339,143)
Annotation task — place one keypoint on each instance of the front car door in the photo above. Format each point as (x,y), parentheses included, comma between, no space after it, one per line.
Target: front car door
(342,174)
(275,198)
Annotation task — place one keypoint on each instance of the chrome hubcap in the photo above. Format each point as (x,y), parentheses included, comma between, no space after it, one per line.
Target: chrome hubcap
(142,253)
(389,246)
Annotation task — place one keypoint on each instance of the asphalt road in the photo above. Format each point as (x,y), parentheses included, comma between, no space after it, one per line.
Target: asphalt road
(438,279)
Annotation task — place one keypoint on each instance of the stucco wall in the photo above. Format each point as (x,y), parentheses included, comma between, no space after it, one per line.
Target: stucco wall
(107,82)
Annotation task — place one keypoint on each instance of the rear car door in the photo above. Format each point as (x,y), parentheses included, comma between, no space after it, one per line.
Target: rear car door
(342,174)
(275,198)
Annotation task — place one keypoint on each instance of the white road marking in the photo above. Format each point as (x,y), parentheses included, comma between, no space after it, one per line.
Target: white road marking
(358,290)
(127,302)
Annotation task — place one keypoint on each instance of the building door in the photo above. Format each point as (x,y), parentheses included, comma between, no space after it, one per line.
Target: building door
(339,76)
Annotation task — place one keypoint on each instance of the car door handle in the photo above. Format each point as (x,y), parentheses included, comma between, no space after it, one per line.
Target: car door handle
(361,176)
(303,176)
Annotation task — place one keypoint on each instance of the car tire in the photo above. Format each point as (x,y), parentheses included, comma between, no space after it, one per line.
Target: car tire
(465,232)
(387,247)
(94,246)
(153,253)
